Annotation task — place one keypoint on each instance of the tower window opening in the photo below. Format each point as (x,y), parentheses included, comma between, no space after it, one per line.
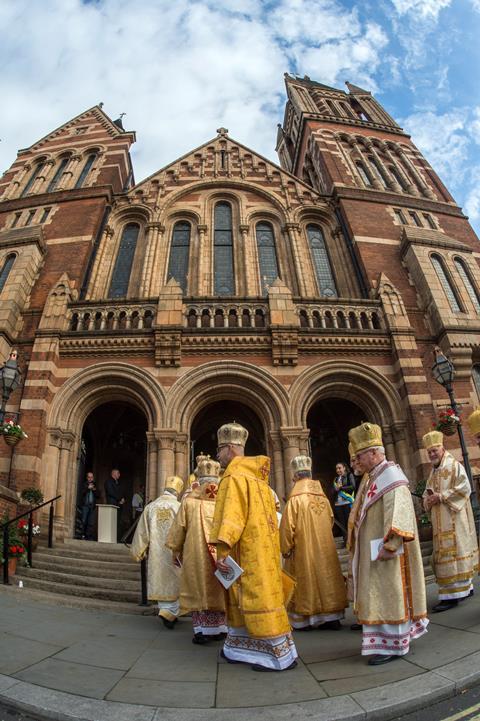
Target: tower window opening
(7,267)
(36,172)
(223,250)
(430,221)
(179,254)
(267,256)
(400,217)
(321,262)
(15,220)
(397,177)
(85,170)
(468,283)
(123,264)
(363,173)
(447,286)
(376,169)
(415,218)
(58,174)
(30,217)
(45,214)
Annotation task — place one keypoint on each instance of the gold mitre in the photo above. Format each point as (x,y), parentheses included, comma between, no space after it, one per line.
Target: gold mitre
(201,457)
(301,463)
(434,438)
(232,433)
(175,483)
(367,435)
(473,421)
(208,468)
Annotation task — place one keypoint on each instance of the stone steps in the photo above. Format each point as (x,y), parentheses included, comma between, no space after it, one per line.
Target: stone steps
(88,568)
(119,583)
(72,589)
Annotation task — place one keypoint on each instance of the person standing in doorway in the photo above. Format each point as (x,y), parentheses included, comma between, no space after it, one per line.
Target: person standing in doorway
(89,503)
(138,503)
(343,487)
(114,495)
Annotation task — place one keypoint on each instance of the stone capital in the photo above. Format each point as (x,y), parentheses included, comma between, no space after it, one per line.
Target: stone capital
(202,228)
(165,438)
(291,226)
(291,437)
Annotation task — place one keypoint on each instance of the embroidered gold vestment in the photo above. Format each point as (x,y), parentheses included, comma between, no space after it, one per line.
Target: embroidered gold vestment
(306,534)
(245,526)
(455,548)
(163,578)
(189,539)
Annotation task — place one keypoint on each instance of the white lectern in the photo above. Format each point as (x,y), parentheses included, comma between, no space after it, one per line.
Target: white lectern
(107,523)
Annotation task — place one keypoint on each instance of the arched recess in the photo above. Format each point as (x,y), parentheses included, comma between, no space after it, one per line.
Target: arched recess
(71,406)
(233,381)
(362,385)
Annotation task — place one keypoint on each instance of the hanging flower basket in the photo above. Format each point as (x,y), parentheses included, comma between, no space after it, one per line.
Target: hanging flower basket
(448,422)
(12,432)
(11,440)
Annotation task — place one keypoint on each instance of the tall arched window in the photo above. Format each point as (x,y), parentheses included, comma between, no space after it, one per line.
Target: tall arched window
(448,288)
(124,261)
(179,254)
(468,283)
(363,173)
(7,267)
(321,262)
(223,250)
(58,174)
(85,170)
(267,255)
(476,377)
(35,173)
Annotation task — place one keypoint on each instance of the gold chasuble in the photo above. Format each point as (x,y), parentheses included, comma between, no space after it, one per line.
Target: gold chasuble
(245,526)
(455,548)
(306,534)
(189,539)
(163,578)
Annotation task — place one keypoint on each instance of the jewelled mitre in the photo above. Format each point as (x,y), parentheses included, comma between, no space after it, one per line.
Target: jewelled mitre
(367,435)
(201,456)
(473,421)
(175,483)
(301,463)
(232,433)
(208,468)
(434,438)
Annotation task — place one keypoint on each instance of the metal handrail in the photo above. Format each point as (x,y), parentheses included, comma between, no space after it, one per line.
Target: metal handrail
(28,513)
(143,563)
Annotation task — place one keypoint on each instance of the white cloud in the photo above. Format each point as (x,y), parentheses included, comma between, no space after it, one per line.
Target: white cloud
(179,70)
(472,202)
(427,9)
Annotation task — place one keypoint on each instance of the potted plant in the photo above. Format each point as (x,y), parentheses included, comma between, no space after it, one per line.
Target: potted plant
(23,532)
(32,496)
(15,549)
(447,422)
(12,432)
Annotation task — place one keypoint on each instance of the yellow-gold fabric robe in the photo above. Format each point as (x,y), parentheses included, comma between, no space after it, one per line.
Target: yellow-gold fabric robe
(455,548)
(163,578)
(245,526)
(306,535)
(188,539)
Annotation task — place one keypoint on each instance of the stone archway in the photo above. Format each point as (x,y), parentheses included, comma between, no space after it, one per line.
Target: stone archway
(78,397)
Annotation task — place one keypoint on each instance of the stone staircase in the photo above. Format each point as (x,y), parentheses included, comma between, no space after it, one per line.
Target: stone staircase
(90,574)
(104,576)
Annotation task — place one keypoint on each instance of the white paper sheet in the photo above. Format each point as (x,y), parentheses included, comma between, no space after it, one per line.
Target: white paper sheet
(226,578)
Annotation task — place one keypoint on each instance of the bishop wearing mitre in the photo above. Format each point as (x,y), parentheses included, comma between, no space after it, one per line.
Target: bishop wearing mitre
(201,594)
(455,547)
(387,570)
(163,577)
(245,527)
(307,544)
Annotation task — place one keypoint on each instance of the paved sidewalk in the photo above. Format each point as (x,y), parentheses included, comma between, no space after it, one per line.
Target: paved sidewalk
(62,663)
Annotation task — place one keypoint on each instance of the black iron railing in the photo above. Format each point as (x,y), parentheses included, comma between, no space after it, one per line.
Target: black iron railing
(126,539)
(29,513)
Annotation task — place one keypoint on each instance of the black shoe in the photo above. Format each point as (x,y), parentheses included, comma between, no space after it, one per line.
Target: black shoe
(168,624)
(217,637)
(356,627)
(445,605)
(200,639)
(330,626)
(228,660)
(469,596)
(257,667)
(378,659)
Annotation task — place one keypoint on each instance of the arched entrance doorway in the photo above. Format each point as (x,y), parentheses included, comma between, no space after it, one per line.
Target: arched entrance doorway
(203,433)
(329,421)
(114,436)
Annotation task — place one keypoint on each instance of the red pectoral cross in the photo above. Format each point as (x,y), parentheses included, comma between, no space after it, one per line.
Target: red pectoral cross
(372,490)
(211,490)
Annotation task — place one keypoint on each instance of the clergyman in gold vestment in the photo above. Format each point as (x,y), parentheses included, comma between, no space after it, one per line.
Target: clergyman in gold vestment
(201,594)
(163,578)
(306,542)
(245,527)
(388,591)
(455,547)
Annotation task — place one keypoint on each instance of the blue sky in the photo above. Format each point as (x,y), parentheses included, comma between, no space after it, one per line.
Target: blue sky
(181,69)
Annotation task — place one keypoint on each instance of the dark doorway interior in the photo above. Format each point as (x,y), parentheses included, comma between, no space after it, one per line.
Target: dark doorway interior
(329,422)
(203,434)
(114,436)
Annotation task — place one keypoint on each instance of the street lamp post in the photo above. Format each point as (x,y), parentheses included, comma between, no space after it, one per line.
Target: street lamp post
(443,372)
(10,378)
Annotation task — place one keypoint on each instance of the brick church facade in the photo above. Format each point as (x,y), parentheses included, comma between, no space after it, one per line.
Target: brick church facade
(297,299)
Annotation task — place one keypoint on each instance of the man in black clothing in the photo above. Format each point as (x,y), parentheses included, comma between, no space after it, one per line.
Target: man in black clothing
(89,502)
(113,494)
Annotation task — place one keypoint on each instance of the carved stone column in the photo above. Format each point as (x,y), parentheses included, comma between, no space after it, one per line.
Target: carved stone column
(152,466)
(291,439)
(159,262)
(201,283)
(416,174)
(63,440)
(292,230)
(151,232)
(181,456)
(166,456)
(388,444)
(399,429)
(277,477)
(47,175)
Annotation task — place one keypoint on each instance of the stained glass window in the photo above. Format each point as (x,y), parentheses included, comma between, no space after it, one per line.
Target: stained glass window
(32,178)
(58,174)
(223,250)
(7,266)
(321,262)
(179,254)
(124,262)
(267,256)
(445,283)
(85,170)
(467,281)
